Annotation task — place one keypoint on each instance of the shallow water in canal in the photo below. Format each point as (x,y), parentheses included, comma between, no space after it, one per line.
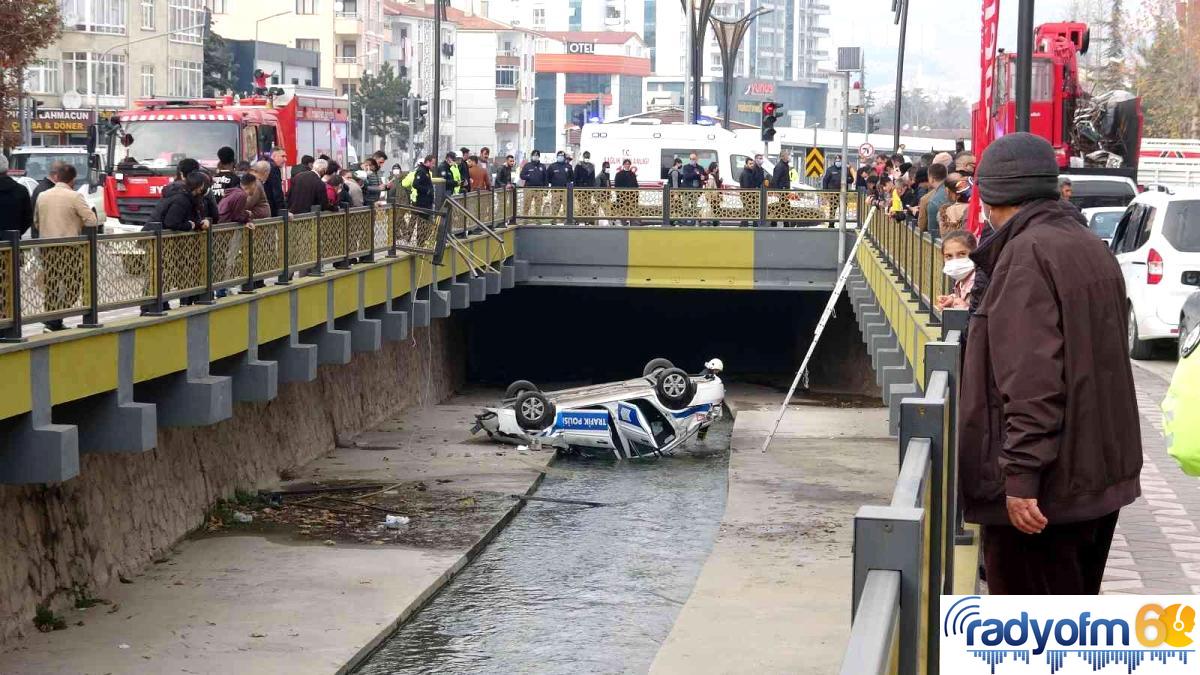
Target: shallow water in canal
(570,589)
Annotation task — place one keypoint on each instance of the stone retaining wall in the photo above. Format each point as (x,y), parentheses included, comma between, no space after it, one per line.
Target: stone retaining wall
(122,511)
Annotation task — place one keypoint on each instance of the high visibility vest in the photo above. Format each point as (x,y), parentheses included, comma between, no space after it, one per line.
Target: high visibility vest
(793,176)
(409,183)
(457,174)
(1181,411)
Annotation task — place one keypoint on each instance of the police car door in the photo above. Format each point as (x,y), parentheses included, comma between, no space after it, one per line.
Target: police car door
(633,427)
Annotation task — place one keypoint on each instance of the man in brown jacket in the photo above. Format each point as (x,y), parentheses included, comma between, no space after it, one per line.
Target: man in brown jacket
(1049,441)
(62,212)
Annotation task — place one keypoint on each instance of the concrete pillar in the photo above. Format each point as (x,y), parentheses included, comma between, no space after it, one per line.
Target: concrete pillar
(255,380)
(521,270)
(32,448)
(508,275)
(194,397)
(297,359)
(478,288)
(333,345)
(366,334)
(113,421)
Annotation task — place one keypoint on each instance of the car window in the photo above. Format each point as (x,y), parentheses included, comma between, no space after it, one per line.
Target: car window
(1181,225)
(1104,224)
(737,163)
(1146,226)
(1088,194)
(670,154)
(1127,229)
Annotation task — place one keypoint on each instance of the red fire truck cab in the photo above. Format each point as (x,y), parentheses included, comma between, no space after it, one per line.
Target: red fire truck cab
(145,144)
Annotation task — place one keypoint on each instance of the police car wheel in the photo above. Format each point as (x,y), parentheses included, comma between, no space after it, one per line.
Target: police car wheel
(656,364)
(534,411)
(519,386)
(674,388)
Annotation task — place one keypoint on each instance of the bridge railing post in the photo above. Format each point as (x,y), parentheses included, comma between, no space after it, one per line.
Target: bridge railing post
(317,269)
(285,274)
(13,332)
(762,206)
(570,214)
(158,308)
(248,287)
(666,205)
(92,318)
(208,297)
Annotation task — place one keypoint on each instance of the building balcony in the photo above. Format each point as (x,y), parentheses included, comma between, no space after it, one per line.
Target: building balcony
(348,23)
(504,91)
(347,68)
(507,59)
(507,127)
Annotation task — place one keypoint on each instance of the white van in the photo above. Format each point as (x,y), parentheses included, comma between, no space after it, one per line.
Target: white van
(652,148)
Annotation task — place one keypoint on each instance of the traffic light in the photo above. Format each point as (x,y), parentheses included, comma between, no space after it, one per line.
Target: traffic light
(422,112)
(771,111)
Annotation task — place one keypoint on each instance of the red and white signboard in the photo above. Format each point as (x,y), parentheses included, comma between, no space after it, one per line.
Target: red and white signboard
(866,150)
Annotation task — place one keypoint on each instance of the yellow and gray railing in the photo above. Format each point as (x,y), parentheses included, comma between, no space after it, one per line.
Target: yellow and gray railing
(668,206)
(47,279)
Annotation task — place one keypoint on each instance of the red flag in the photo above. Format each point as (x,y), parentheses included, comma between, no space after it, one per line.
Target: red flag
(982,133)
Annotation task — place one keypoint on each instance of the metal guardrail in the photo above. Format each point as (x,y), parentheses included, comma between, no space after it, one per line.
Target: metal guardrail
(47,279)
(667,206)
(915,257)
(904,552)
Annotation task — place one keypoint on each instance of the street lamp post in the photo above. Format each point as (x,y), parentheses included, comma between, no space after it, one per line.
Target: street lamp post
(697,13)
(729,36)
(901,7)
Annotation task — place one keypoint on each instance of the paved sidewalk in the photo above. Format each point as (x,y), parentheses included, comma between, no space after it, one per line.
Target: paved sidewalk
(773,597)
(1156,549)
(276,603)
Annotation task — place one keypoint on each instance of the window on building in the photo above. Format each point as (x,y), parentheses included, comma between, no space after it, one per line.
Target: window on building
(307,6)
(539,17)
(41,77)
(186,78)
(217,6)
(147,80)
(185,21)
(94,16)
(89,74)
(308,44)
(349,50)
(574,16)
(348,89)
(349,8)
(506,77)
(148,14)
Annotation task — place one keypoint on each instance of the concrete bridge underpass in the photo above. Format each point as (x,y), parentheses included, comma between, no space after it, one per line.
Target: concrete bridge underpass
(319,288)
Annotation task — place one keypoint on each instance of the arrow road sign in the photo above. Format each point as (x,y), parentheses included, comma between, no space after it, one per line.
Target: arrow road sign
(814,163)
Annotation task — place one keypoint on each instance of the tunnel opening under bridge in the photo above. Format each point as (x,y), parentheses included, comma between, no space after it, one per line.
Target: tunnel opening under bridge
(561,334)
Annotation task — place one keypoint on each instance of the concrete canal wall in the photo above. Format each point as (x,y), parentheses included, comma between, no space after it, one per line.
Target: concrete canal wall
(124,510)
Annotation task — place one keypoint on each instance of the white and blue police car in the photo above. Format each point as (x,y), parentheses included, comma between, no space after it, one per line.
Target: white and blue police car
(644,417)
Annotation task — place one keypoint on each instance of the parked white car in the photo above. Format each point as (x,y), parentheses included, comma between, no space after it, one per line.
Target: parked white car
(31,163)
(1157,243)
(1103,220)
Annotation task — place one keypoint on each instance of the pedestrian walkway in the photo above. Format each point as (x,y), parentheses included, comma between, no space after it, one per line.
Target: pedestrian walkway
(1156,549)
(271,598)
(773,597)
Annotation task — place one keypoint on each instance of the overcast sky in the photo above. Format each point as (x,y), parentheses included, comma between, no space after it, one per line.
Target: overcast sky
(943,40)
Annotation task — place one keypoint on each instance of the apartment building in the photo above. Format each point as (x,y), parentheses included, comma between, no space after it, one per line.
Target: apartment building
(410,52)
(351,36)
(495,86)
(111,52)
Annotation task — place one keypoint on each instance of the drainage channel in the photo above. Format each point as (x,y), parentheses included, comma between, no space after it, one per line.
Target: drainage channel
(570,589)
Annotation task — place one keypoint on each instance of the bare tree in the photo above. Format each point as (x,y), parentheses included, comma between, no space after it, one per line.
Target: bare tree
(25,27)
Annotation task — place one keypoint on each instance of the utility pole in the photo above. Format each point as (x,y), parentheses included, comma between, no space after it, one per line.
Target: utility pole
(436,96)
(1024,75)
(842,171)
(689,76)
(901,9)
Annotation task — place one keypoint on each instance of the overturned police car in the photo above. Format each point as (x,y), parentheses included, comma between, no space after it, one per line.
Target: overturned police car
(644,417)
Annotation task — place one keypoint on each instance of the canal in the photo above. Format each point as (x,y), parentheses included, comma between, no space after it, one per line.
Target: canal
(570,589)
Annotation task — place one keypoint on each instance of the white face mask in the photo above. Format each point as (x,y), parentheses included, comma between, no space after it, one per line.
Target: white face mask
(959,268)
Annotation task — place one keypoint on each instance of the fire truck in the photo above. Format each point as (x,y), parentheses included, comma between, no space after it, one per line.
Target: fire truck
(1087,131)
(145,144)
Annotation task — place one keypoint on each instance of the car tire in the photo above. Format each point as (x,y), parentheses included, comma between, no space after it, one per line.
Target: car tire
(534,411)
(514,390)
(674,388)
(1139,349)
(656,364)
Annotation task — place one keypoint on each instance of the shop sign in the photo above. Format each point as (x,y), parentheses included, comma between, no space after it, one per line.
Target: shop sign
(581,47)
(760,89)
(55,121)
